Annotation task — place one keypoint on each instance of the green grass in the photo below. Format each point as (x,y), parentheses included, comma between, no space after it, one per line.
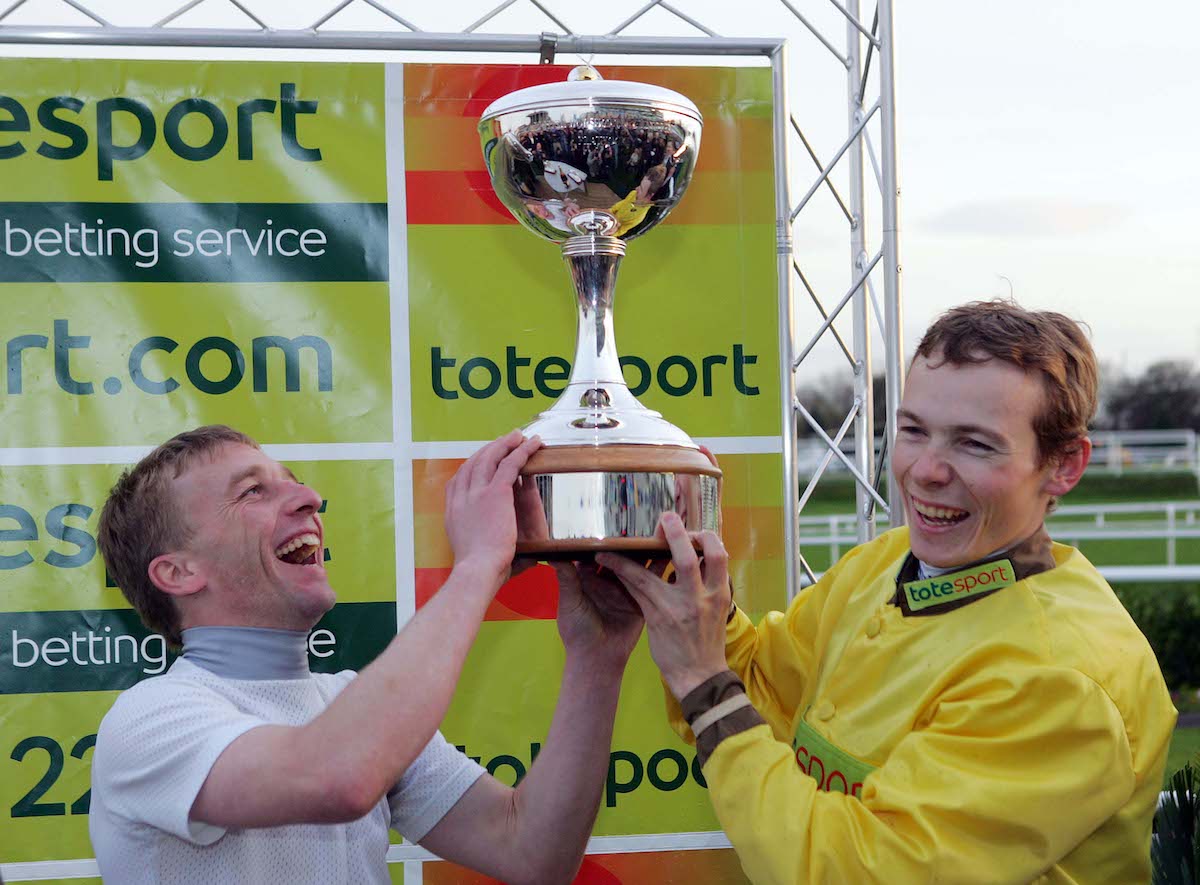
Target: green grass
(1185,744)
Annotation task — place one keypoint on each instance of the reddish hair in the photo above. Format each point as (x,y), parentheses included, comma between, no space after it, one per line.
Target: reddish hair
(1043,342)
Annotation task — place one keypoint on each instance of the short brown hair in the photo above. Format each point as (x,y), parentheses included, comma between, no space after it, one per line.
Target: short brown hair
(140,521)
(1044,342)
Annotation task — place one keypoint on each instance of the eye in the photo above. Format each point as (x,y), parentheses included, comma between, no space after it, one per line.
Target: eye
(911,430)
(250,490)
(978,445)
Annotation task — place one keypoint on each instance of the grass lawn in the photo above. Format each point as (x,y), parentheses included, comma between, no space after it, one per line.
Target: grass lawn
(1185,744)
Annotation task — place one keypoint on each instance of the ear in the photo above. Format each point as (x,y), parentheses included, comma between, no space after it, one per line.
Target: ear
(1067,468)
(176,574)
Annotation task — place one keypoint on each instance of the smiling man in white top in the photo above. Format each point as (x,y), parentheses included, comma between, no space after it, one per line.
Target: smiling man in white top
(238,765)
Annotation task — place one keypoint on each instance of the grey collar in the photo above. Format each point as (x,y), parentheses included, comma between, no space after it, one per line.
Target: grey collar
(248,652)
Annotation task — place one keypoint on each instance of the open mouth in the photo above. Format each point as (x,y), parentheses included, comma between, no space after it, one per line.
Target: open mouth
(301,550)
(936,516)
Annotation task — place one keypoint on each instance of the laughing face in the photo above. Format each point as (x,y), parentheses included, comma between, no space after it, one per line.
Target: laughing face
(966,459)
(256,545)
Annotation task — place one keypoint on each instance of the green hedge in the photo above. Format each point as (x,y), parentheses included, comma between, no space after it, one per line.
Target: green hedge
(1141,486)
(1169,615)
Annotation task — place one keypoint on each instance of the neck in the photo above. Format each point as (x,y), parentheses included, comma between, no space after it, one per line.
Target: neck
(248,652)
(1029,555)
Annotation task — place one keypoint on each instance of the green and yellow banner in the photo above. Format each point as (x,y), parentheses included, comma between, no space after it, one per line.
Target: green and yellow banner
(313,254)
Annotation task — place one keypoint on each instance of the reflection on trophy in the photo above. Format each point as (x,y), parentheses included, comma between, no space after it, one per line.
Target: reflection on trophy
(588,164)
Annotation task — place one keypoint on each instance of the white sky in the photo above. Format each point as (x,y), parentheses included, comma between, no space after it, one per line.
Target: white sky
(1046,144)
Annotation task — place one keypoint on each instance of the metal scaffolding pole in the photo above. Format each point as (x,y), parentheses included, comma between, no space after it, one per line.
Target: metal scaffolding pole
(787,346)
(892,306)
(864,435)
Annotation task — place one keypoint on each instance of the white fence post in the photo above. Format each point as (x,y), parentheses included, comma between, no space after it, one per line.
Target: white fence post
(1170,534)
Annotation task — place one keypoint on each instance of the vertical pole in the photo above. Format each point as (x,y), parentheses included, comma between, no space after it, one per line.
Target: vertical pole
(892,309)
(787,344)
(1171,535)
(864,433)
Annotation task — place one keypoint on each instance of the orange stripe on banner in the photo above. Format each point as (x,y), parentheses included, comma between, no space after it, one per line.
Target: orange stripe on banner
(472,88)
(451,143)
(440,197)
(531,595)
(467,90)
(461,197)
(429,483)
(753,528)
(431,546)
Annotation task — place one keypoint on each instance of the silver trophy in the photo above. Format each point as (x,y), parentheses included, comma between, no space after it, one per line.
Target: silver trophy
(588,164)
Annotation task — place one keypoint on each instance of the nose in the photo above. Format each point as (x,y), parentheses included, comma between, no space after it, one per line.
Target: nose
(304,499)
(931,467)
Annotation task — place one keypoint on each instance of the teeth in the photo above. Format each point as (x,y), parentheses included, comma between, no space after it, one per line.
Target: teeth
(306,540)
(938,512)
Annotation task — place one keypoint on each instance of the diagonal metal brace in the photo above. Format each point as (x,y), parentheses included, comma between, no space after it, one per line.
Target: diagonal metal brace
(857,24)
(828,456)
(841,304)
(841,456)
(6,13)
(821,310)
(862,124)
(815,31)
(817,161)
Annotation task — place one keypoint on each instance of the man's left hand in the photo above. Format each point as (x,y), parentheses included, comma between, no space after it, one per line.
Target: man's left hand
(685,620)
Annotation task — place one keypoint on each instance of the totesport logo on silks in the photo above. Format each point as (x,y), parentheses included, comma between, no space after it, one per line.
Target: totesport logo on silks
(834,770)
(942,589)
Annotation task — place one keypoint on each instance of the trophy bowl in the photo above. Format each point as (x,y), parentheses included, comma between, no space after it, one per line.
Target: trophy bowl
(589,164)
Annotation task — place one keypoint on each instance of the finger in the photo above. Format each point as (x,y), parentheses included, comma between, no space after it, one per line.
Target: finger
(608,595)
(716,562)
(489,457)
(467,468)
(531,514)
(568,580)
(640,583)
(509,468)
(683,554)
(707,453)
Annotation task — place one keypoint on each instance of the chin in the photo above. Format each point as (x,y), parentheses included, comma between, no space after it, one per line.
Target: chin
(938,559)
(322,604)
(938,554)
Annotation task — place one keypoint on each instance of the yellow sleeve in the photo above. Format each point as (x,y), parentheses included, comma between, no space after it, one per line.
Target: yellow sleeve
(774,659)
(1012,772)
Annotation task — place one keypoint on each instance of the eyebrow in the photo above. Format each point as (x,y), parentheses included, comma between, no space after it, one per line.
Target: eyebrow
(975,429)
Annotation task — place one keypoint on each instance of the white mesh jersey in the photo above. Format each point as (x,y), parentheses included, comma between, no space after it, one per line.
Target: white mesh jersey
(159,742)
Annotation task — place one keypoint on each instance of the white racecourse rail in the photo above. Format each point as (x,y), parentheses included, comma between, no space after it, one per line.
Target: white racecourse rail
(1165,521)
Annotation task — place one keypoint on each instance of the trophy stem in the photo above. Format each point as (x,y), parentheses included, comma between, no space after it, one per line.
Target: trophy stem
(593,262)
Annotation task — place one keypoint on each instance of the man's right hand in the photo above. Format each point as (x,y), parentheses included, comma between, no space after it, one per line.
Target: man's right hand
(480,512)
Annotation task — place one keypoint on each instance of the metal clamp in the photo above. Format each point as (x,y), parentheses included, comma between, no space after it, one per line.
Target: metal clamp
(548,46)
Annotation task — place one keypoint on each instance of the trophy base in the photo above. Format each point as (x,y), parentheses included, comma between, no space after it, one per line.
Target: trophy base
(610,498)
